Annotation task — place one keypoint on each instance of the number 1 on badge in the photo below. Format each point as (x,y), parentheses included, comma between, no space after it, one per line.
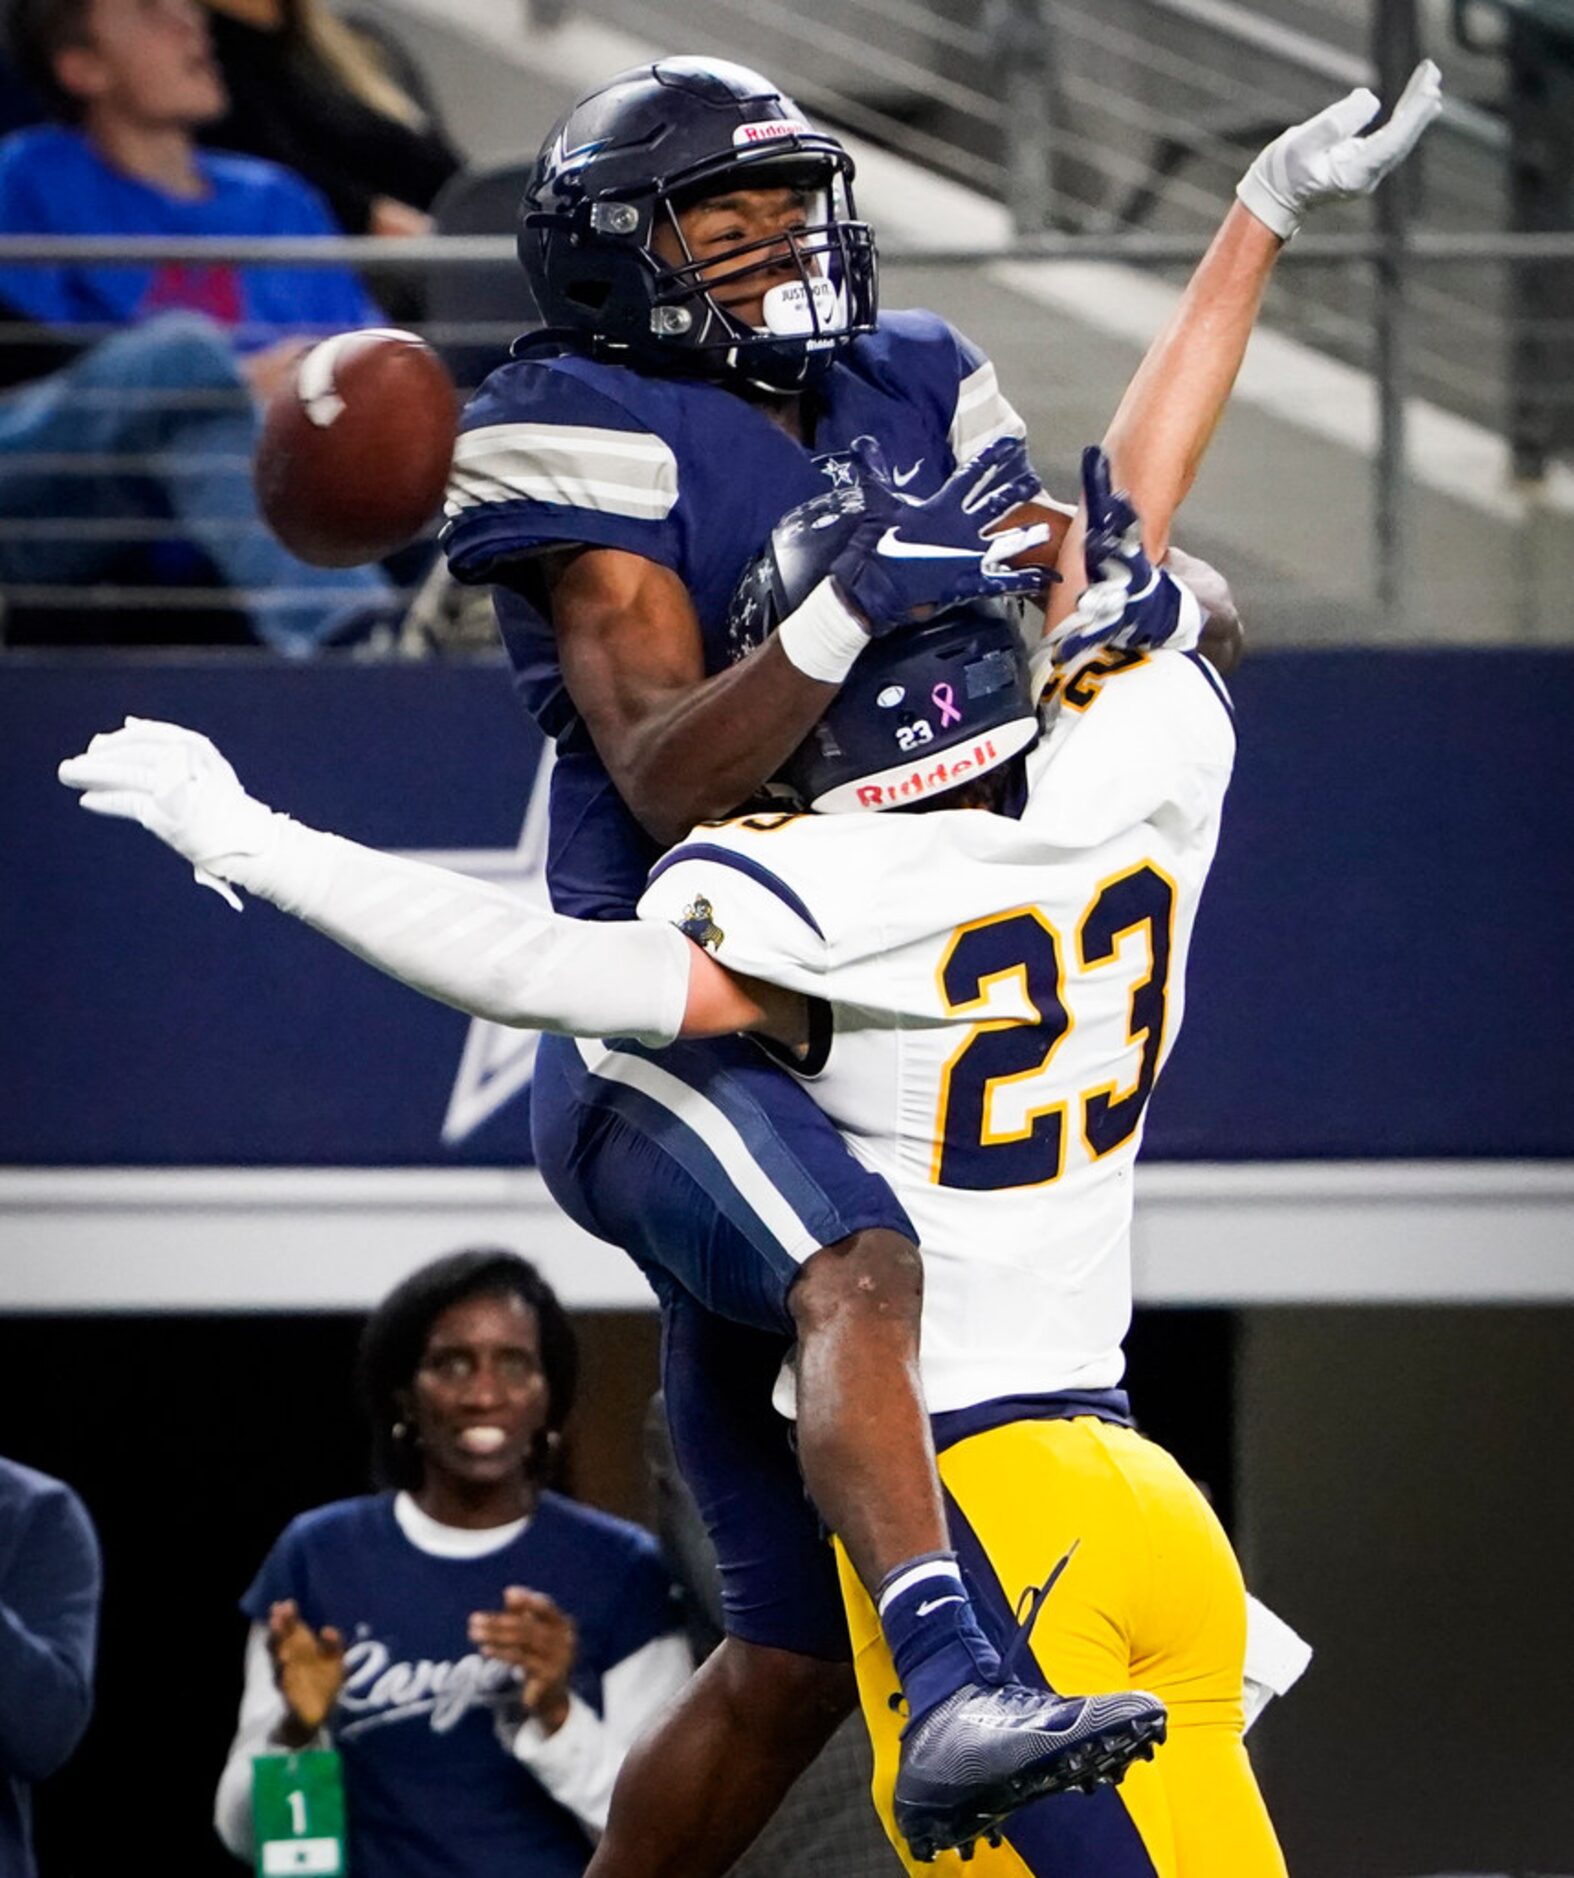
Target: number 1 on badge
(298,1815)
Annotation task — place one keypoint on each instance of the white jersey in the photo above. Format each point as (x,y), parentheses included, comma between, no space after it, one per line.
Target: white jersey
(1003,993)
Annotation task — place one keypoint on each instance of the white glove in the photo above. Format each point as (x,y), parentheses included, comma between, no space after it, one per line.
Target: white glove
(177,785)
(1324,160)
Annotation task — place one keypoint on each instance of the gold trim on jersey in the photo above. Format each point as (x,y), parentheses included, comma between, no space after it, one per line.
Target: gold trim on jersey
(1109,1092)
(1078,689)
(1100,1101)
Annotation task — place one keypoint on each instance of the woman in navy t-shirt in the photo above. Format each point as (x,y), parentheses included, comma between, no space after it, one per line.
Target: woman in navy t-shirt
(480,1651)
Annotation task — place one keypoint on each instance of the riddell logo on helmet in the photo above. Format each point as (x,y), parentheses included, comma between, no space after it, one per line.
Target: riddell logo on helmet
(944,775)
(770,130)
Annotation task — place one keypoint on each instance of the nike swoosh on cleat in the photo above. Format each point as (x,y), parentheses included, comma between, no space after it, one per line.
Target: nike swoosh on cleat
(892,545)
(934,1605)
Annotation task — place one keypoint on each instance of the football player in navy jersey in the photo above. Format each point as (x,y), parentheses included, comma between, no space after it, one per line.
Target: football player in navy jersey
(713,355)
(925,972)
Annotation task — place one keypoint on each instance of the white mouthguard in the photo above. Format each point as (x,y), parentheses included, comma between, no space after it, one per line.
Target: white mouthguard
(791,313)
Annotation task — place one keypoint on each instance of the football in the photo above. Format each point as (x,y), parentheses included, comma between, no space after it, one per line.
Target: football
(356,446)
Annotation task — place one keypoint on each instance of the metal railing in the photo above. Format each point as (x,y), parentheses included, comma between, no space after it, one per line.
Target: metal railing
(1136,112)
(1371,429)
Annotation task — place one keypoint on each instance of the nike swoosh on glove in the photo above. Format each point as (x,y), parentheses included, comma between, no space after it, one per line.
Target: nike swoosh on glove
(1128,603)
(908,558)
(177,785)
(1325,160)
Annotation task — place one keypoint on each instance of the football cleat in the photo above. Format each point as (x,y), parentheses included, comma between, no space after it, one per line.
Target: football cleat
(987,1750)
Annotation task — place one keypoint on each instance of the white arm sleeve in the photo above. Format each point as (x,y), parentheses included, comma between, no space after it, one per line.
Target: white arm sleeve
(261,1712)
(1276,1657)
(578,1765)
(472,945)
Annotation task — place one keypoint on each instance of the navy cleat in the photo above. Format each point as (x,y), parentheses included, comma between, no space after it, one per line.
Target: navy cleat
(969,1763)
(976,1757)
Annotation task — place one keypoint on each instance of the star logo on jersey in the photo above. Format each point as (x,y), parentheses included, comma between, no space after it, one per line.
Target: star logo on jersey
(497,1061)
(841,470)
(699,924)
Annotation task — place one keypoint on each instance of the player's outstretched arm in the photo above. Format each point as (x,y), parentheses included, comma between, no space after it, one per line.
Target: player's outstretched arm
(1173,405)
(453,938)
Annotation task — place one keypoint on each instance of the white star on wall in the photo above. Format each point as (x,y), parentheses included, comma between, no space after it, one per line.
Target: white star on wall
(498,1060)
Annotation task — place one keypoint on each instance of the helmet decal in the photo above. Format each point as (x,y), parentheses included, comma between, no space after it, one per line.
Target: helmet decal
(770,130)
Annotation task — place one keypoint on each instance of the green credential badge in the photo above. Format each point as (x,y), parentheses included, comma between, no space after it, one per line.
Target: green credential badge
(297,1809)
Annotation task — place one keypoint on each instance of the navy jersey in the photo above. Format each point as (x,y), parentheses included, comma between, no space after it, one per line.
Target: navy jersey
(429,1786)
(567,449)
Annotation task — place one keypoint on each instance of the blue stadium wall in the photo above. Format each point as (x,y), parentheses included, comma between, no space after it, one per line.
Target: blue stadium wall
(1384,966)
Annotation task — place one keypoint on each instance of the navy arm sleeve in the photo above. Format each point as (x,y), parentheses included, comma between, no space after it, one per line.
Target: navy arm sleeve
(49,1603)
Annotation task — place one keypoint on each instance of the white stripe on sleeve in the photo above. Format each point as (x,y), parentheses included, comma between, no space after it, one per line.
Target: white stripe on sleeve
(982,414)
(578,466)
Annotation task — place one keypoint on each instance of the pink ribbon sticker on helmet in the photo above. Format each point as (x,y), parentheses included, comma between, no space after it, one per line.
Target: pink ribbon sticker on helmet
(945,702)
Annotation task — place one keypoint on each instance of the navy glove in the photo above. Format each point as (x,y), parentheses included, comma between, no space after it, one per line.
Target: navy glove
(907,558)
(1128,602)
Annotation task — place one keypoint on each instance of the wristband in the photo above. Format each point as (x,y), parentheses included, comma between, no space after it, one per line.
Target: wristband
(824,637)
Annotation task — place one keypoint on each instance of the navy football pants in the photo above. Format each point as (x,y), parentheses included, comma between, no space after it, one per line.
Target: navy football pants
(718,1175)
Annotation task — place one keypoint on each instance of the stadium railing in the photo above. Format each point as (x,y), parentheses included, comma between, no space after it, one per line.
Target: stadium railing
(1353,502)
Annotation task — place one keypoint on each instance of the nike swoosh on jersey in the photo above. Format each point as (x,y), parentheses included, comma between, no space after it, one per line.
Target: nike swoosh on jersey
(895,548)
(903,477)
(933,1604)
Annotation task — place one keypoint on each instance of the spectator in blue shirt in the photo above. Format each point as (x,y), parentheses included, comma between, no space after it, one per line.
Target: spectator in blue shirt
(50,1582)
(175,396)
(480,1650)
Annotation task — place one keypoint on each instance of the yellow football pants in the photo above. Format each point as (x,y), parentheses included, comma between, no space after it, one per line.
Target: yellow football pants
(1152,1600)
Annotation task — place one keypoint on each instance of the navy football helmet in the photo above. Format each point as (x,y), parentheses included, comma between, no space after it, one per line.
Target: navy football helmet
(922,711)
(652,141)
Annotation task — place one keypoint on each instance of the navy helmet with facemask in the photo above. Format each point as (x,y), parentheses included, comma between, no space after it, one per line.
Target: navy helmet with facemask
(627,159)
(923,711)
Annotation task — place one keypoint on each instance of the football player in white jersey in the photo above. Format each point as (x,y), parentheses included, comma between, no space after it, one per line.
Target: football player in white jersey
(984,1002)
(983,995)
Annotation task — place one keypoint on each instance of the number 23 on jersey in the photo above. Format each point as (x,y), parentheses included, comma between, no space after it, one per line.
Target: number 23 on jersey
(974,1150)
